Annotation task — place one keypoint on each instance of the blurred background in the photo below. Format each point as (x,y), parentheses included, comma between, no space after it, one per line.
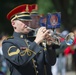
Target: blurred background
(66,7)
(68,17)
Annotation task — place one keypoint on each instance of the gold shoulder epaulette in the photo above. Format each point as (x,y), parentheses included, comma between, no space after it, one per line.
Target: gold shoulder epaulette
(10,37)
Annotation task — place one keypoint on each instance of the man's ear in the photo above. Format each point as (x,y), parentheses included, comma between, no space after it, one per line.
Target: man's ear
(13,23)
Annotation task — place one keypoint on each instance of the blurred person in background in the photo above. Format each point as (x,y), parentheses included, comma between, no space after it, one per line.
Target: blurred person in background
(3,65)
(72,50)
(60,65)
(31,35)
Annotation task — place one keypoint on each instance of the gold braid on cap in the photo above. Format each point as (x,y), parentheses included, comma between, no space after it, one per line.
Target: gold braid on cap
(36,7)
(27,10)
(17,16)
(20,15)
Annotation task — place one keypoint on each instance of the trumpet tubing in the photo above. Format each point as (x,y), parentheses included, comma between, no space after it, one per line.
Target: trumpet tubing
(56,36)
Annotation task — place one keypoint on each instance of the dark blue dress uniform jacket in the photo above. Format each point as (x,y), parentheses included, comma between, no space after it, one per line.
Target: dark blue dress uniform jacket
(26,58)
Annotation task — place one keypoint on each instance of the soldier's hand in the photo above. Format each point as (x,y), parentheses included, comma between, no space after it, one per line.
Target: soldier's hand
(41,34)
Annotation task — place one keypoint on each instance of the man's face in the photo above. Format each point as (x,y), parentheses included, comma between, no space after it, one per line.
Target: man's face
(21,26)
(35,22)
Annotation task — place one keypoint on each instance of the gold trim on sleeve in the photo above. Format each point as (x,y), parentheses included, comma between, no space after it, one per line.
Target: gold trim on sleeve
(28,52)
(13,53)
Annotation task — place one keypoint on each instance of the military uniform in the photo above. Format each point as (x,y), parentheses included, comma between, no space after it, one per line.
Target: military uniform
(23,56)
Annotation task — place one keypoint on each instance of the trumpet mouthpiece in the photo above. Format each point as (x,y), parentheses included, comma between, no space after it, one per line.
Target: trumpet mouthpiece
(28,27)
(31,28)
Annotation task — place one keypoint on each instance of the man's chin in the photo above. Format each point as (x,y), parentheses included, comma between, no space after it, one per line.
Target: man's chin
(26,32)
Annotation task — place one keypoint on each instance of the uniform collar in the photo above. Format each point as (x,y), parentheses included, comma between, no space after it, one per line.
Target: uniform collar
(20,35)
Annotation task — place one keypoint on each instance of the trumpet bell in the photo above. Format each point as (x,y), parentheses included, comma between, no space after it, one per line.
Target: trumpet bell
(69,38)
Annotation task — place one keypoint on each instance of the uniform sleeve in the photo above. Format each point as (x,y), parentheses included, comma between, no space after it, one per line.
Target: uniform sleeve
(19,57)
(50,55)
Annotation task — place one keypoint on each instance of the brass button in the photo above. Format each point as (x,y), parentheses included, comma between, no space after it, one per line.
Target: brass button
(34,60)
(36,66)
(21,36)
(37,72)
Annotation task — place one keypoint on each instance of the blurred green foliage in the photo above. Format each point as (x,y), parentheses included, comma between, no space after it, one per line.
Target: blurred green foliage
(45,6)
